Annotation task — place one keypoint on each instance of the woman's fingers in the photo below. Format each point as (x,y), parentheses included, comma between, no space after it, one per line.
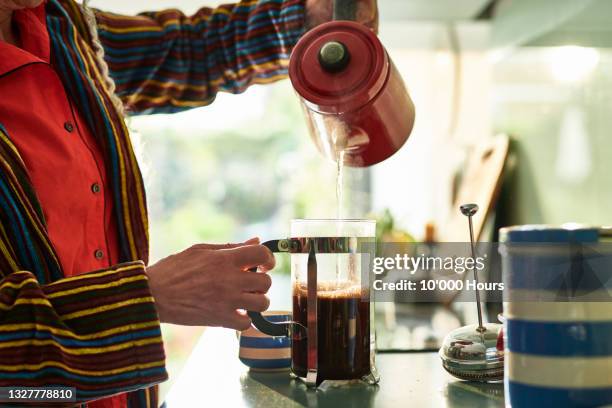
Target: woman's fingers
(250,241)
(257,282)
(321,11)
(238,321)
(367,14)
(251,256)
(255,302)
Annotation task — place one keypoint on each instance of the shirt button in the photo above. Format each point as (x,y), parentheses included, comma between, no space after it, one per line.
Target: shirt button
(99,254)
(95,188)
(68,126)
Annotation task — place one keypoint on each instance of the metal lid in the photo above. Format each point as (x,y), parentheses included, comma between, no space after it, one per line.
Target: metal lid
(547,233)
(338,66)
(471,354)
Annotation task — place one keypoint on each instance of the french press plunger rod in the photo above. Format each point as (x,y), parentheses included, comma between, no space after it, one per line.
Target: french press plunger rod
(470,352)
(469,210)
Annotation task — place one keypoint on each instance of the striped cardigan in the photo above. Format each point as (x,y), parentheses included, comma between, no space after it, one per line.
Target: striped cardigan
(99,331)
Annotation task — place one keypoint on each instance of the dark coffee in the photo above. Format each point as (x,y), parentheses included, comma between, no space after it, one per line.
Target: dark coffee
(343,334)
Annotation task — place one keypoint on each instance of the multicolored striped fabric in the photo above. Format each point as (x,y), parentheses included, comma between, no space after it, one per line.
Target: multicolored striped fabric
(99,331)
(167,62)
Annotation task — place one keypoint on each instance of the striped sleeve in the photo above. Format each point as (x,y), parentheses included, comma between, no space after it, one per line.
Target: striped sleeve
(166,62)
(98,332)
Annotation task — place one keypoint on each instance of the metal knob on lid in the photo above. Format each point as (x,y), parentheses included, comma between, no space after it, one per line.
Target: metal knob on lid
(338,67)
(469,210)
(334,56)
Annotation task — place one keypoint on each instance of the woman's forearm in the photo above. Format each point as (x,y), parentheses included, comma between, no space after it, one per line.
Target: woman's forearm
(97,332)
(166,61)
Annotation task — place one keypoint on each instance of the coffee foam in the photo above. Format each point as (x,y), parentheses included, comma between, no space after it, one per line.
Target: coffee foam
(333,290)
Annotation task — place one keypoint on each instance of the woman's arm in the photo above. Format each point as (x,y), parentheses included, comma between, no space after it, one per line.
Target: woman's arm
(98,332)
(166,61)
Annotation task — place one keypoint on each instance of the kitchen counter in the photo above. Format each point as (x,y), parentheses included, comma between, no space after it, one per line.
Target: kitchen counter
(213,377)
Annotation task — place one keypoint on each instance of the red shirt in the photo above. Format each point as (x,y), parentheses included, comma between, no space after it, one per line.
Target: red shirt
(62,157)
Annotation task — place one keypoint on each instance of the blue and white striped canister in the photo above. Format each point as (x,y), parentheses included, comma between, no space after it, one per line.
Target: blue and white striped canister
(558,310)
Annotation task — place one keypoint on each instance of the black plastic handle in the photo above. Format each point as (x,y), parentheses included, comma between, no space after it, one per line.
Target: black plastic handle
(257,319)
(345,10)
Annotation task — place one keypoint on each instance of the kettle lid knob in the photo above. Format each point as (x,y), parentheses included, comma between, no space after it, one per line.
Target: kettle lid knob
(334,56)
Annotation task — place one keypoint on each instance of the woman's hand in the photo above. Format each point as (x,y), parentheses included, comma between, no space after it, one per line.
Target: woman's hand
(208,285)
(321,11)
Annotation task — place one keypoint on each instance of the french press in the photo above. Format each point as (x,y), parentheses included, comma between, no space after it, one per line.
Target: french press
(356,104)
(332,332)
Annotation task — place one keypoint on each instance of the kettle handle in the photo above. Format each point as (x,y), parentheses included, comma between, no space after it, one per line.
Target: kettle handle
(345,10)
(257,319)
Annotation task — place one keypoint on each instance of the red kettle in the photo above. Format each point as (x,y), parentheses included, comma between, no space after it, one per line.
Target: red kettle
(356,104)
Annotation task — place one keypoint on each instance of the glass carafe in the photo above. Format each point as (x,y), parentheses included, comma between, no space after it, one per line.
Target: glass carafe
(332,330)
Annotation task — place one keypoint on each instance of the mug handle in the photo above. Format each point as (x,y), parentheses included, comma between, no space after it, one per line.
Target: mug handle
(257,319)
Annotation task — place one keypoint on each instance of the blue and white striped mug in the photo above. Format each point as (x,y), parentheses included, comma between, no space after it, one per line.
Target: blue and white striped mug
(261,352)
(558,328)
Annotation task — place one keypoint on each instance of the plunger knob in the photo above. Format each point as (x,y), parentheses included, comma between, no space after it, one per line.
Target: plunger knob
(334,56)
(469,209)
